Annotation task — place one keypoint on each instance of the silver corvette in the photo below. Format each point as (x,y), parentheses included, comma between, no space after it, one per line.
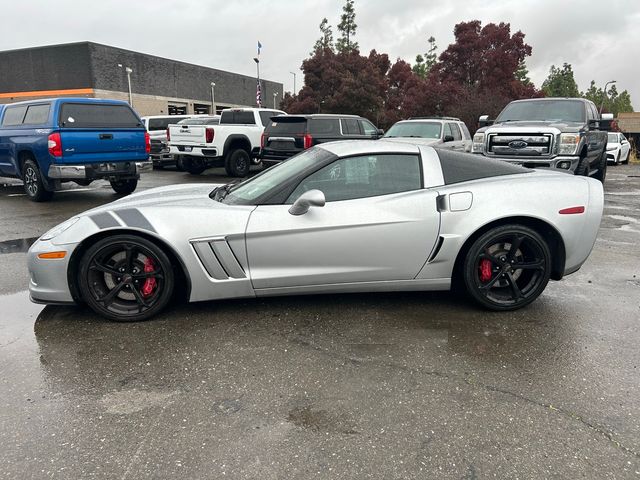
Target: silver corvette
(340,217)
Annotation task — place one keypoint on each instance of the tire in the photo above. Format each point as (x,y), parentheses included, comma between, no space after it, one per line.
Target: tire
(194,165)
(179,164)
(490,271)
(125,278)
(33,184)
(601,174)
(237,163)
(124,187)
(582,169)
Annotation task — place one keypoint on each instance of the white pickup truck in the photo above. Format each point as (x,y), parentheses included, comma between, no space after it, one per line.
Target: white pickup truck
(234,144)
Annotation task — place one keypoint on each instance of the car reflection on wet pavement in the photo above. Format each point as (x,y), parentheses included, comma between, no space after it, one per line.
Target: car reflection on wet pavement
(408,385)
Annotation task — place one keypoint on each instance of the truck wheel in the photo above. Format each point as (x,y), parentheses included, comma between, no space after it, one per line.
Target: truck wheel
(582,169)
(124,187)
(179,164)
(194,165)
(237,163)
(33,185)
(601,174)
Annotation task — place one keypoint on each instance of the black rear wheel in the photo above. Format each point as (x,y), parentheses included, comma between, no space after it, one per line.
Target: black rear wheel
(194,165)
(507,268)
(124,187)
(126,278)
(237,163)
(33,184)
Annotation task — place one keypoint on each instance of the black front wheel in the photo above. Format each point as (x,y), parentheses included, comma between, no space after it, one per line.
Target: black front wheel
(126,278)
(507,268)
(601,174)
(124,187)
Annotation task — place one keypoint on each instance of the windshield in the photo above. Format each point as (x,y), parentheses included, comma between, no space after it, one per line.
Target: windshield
(415,129)
(613,138)
(543,111)
(249,191)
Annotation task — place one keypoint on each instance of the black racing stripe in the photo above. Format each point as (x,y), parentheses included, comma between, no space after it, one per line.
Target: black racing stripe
(133,218)
(104,220)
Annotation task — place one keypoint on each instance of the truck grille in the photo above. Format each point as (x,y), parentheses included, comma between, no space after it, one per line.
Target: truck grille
(520,145)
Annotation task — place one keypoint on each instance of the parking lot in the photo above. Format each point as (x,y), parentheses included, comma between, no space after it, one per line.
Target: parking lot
(409,385)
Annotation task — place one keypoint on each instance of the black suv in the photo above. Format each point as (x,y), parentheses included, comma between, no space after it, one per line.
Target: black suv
(286,135)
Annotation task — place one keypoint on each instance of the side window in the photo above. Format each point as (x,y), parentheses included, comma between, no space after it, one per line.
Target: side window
(465,132)
(363,176)
(457,136)
(13,116)
(323,126)
(446,131)
(368,128)
(592,113)
(37,115)
(350,126)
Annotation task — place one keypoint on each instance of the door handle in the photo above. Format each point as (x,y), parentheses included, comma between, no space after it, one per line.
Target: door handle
(106,136)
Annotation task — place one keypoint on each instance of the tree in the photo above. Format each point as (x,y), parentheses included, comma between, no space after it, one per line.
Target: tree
(522,73)
(347,28)
(325,42)
(424,64)
(560,82)
(614,102)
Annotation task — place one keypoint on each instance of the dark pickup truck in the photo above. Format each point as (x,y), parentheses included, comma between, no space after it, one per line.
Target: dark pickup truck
(564,133)
(48,142)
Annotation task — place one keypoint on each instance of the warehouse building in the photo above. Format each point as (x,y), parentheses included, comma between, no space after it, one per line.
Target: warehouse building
(158,85)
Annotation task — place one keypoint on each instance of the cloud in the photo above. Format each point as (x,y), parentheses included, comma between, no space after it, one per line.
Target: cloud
(223,34)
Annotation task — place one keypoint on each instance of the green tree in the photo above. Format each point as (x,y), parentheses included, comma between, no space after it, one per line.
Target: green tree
(347,28)
(613,102)
(522,73)
(560,82)
(424,64)
(326,38)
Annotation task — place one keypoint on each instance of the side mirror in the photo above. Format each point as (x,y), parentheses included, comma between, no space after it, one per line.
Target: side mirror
(312,198)
(605,121)
(380,132)
(483,121)
(448,138)
(607,117)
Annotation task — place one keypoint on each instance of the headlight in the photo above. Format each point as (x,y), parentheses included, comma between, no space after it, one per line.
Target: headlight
(55,231)
(611,147)
(478,143)
(568,143)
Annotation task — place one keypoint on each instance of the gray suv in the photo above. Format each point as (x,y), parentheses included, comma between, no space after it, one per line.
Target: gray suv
(564,133)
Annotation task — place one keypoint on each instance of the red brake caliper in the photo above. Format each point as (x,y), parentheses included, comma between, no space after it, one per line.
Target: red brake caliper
(150,283)
(485,270)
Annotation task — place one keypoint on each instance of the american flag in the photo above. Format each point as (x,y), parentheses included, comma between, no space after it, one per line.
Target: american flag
(259,95)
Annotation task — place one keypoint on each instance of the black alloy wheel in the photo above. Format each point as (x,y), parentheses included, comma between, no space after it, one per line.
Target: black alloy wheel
(126,278)
(33,184)
(507,268)
(601,174)
(238,163)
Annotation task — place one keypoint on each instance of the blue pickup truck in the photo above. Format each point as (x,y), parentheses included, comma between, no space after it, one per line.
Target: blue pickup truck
(48,142)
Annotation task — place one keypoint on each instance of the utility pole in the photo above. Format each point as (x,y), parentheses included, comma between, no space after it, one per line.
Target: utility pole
(275,94)
(259,88)
(129,72)
(604,94)
(213,98)
(294,82)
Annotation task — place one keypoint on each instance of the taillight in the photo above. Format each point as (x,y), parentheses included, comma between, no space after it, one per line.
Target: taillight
(308,141)
(147,142)
(168,134)
(209,134)
(54,143)
(262,141)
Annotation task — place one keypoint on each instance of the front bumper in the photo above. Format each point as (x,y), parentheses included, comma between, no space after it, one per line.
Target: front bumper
(99,170)
(48,282)
(560,162)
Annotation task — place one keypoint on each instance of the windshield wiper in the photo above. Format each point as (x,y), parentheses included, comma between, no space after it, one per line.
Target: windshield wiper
(219,193)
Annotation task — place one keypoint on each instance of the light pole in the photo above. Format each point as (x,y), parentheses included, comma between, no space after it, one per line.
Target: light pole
(258,89)
(275,94)
(294,81)
(213,98)
(604,94)
(129,72)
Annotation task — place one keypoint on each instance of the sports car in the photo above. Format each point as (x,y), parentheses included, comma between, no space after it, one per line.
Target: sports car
(351,216)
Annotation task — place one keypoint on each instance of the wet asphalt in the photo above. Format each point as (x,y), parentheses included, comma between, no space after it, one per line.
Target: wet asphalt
(385,386)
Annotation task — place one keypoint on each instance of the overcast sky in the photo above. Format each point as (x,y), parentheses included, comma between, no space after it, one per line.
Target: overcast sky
(599,39)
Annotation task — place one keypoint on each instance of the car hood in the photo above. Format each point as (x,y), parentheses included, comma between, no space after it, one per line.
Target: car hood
(412,140)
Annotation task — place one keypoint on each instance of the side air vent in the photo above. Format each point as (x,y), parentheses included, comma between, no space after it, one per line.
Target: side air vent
(218,259)
(436,250)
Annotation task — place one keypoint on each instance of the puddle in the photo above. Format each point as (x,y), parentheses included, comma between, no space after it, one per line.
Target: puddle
(19,245)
